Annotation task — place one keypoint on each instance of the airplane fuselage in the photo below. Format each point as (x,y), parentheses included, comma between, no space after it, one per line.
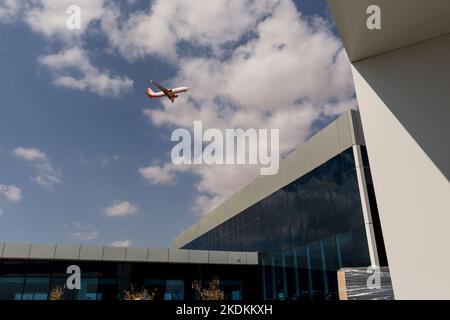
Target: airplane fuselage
(165,92)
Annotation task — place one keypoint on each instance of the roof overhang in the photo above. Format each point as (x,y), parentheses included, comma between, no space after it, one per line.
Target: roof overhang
(403,23)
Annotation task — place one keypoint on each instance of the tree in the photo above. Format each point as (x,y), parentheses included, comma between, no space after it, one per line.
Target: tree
(139,295)
(213,292)
(56,293)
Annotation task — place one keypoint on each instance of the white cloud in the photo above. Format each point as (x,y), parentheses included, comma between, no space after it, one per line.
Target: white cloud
(11,192)
(122,243)
(90,78)
(83,232)
(121,209)
(291,74)
(46,175)
(208,24)
(9,10)
(47,179)
(49,17)
(250,64)
(164,175)
(30,154)
(71,67)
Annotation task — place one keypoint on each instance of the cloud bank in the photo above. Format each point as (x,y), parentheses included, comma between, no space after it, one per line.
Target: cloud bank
(250,64)
(276,70)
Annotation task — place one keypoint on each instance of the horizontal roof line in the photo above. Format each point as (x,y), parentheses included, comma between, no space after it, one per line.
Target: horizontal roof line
(29,251)
(335,138)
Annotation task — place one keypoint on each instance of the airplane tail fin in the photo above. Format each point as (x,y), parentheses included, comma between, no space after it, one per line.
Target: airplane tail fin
(150,93)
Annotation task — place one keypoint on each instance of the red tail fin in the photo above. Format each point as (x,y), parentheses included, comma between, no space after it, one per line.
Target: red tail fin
(150,93)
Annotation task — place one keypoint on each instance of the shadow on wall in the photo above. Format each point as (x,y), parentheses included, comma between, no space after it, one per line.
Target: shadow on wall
(421,108)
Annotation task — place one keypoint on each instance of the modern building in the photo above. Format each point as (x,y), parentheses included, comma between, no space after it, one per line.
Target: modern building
(280,237)
(32,272)
(401,74)
(317,215)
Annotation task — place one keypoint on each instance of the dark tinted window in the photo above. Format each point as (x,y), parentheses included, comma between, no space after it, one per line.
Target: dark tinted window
(314,224)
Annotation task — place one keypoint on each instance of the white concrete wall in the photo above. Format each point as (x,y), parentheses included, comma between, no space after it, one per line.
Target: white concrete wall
(404,100)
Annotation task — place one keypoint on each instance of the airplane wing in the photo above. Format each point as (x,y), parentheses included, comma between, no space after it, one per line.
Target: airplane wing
(160,87)
(168,92)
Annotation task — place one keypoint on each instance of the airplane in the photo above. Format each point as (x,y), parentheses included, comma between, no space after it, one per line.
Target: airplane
(172,94)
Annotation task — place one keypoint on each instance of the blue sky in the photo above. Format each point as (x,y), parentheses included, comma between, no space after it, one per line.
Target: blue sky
(88,143)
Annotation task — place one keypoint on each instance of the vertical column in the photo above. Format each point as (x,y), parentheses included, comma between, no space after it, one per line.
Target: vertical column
(296,271)
(263,274)
(283,261)
(373,252)
(274,278)
(324,268)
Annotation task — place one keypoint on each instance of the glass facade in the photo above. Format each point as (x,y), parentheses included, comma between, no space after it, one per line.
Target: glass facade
(35,280)
(304,232)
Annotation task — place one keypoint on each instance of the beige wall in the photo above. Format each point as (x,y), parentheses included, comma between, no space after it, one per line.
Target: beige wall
(404,100)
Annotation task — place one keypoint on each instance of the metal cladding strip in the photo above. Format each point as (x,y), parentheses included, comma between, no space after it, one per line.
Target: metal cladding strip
(339,135)
(365,204)
(28,251)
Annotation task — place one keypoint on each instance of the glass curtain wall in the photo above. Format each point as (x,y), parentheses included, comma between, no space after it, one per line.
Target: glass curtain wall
(45,280)
(304,232)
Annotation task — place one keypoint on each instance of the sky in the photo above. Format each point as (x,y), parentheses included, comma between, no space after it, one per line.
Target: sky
(85,155)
